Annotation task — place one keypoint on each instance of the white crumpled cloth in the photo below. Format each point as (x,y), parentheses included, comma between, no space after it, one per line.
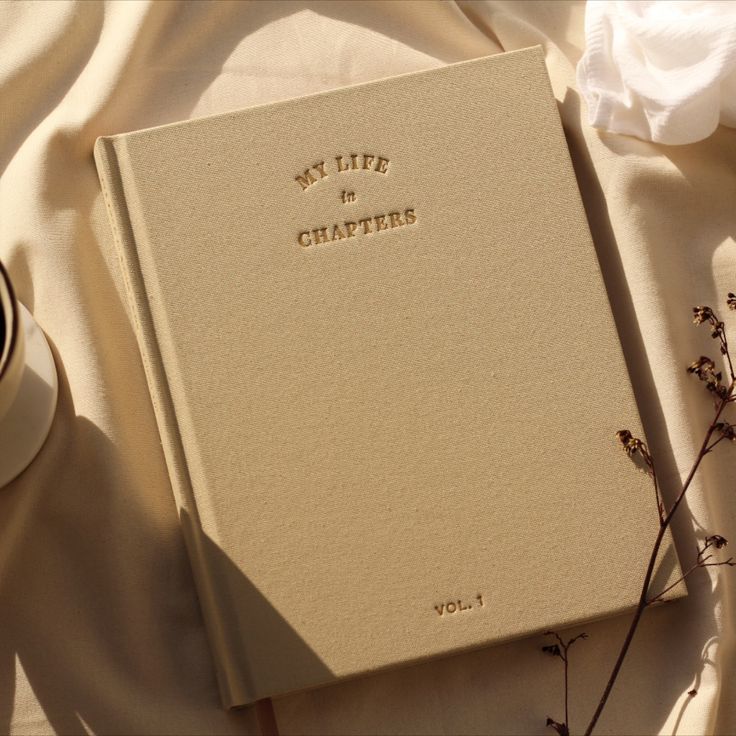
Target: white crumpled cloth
(663,71)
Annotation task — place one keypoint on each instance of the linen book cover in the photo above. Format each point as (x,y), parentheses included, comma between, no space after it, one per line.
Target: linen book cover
(385,372)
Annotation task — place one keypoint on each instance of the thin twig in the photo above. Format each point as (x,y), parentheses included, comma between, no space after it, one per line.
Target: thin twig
(700,561)
(720,439)
(561,650)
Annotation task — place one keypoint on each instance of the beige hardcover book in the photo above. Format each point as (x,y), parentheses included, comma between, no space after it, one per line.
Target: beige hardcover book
(385,372)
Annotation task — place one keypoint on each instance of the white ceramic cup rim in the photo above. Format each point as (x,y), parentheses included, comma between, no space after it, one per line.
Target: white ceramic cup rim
(9,306)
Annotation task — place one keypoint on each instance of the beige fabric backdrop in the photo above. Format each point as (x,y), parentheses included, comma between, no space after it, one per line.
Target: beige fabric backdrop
(99,625)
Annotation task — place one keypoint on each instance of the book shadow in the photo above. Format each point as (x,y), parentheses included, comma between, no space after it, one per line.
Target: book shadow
(273,657)
(98,615)
(687,532)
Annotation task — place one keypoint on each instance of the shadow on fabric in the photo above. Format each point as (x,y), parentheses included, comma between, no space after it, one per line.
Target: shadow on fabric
(650,408)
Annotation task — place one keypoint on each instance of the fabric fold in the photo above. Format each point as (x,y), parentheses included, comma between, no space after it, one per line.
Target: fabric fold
(661,71)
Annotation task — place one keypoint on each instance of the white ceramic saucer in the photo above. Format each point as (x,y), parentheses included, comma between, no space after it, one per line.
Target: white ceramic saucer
(26,424)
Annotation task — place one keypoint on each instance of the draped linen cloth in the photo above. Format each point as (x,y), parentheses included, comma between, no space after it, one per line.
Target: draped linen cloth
(100,630)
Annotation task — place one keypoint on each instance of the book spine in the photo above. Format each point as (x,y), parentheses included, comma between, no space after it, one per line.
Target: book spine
(113,183)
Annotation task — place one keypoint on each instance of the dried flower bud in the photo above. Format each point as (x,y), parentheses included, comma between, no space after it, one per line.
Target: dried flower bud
(637,451)
(702,314)
(716,540)
(701,366)
(626,439)
(561,728)
(731,301)
(704,368)
(717,330)
(631,444)
(552,649)
(727,430)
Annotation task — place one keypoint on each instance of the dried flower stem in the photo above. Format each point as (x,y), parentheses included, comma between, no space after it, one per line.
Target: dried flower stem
(705,370)
(723,398)
(701,560)
(560,650)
